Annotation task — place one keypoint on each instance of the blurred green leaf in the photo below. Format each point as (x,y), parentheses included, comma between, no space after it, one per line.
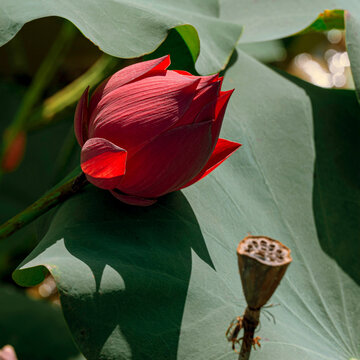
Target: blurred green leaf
(132,29)
(70,94)
(35,329)
(267,20)
(327,20)
(37,173)
(336,195)
(263,20)
(162,282)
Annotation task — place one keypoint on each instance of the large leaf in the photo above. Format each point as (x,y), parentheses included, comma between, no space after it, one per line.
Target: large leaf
(35,328)
(353,46)
(337,175)
(264,20)
(162,282)
(132,28)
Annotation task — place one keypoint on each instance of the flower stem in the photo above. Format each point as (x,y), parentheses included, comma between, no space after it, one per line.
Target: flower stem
(250,322)
(71,93)
(42,205)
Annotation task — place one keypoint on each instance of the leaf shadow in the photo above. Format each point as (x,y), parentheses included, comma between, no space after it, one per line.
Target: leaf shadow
(336,188)
(336,192)
(141,260)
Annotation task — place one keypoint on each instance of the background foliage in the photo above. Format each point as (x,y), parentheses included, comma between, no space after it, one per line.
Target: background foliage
(162,282)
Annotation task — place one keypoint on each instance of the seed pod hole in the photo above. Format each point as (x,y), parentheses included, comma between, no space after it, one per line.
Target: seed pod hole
(260,255)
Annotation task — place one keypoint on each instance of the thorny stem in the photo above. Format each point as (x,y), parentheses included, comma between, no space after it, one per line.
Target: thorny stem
(42,205)
(250,322)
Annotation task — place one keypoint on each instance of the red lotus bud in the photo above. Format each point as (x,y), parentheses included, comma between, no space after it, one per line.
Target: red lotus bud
(14,153)
(148,131)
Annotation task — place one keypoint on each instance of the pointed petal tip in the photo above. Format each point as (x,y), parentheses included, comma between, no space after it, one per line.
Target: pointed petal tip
(161,63)
(192,86)
(223,150)
(222,102)
(217,78)
(229,144)
(227,93)
(167,60)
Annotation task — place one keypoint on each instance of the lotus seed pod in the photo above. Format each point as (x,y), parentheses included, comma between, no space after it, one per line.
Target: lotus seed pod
(262,264)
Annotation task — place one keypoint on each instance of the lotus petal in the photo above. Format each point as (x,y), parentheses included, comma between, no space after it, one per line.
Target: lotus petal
(169,161)
(223,149)
(103,162)
(126,75)
(142,110)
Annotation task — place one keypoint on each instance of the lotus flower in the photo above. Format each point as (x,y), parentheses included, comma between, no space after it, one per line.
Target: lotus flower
(148,131)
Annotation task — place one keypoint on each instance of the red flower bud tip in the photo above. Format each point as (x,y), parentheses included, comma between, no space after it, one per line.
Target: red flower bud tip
(148,131)
(14,153)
